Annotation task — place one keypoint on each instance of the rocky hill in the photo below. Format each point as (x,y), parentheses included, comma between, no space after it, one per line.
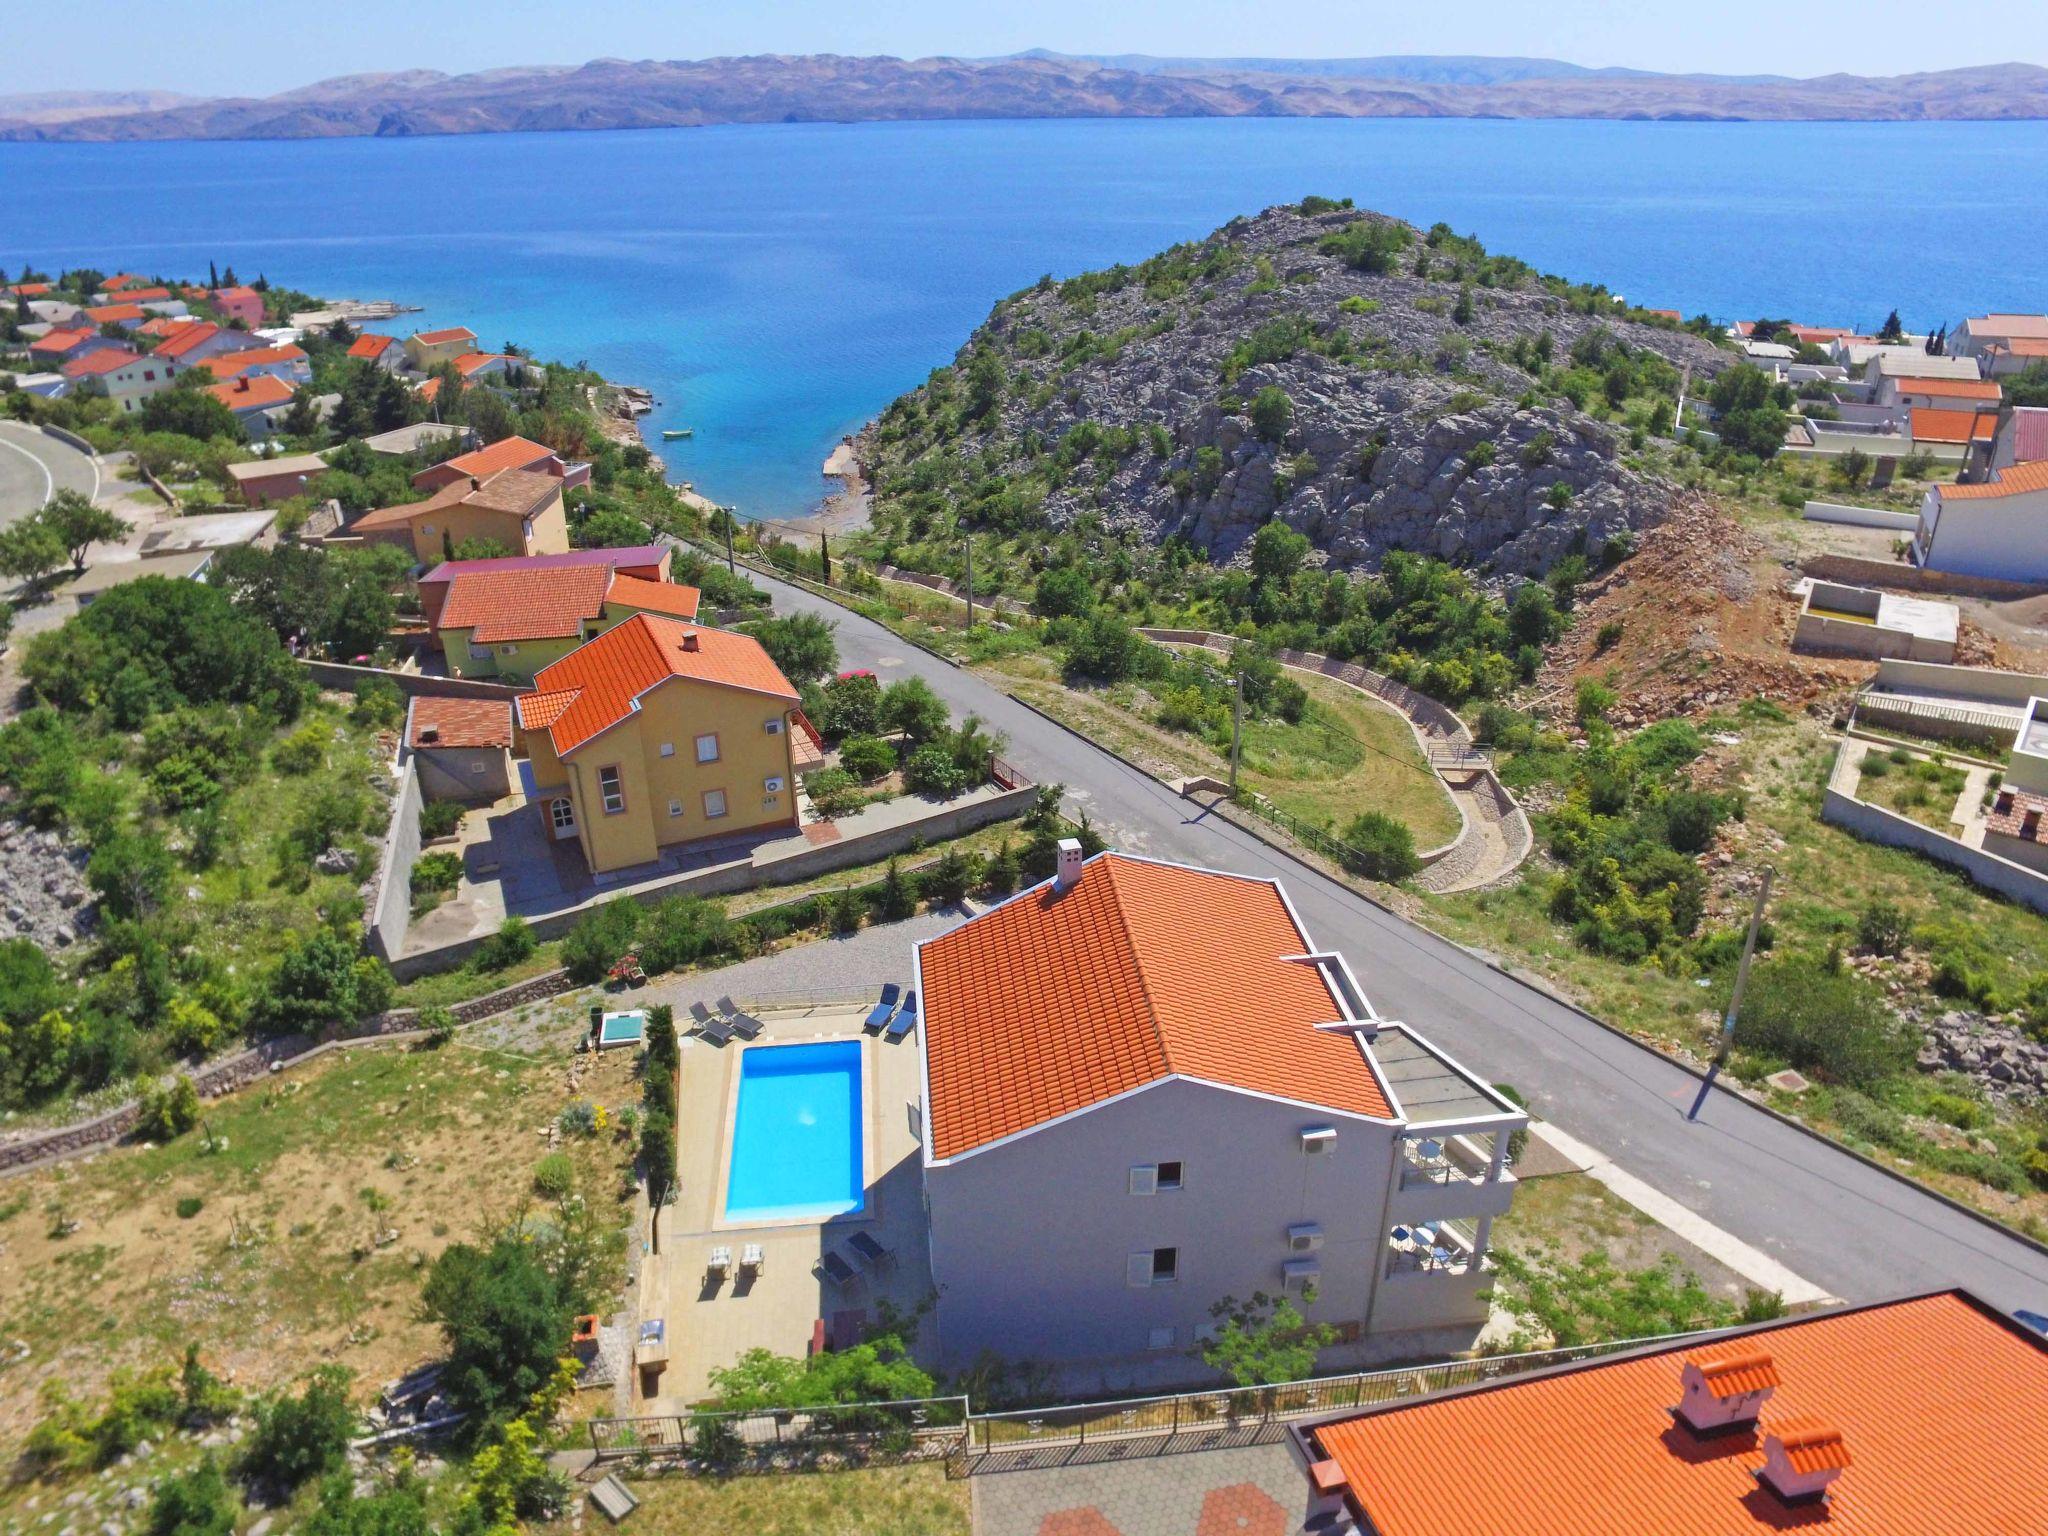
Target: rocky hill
(1374,386)
(657,93)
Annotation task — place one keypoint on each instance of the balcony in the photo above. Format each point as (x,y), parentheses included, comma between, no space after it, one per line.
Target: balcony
(1435,1275)
(1453,1178)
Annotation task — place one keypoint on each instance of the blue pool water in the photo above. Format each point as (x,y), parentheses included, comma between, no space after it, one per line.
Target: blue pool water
(796,1140)
(776,285)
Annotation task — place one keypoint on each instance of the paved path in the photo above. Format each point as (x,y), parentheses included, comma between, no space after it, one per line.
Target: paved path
(1248,1491)
(35,466)
(1828,1217)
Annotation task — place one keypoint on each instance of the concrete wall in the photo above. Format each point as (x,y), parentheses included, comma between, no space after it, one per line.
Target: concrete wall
(340,675)
(1912,578)
(1030,1240)
(1861,517)
(389,908)
(2003,537)
(1964,682)
(463,773)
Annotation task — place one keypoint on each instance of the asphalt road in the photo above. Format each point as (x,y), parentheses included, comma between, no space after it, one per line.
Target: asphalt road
(34,466)
(1827,1216)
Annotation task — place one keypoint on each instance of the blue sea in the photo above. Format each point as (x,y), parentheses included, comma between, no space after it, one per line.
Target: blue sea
(777,285)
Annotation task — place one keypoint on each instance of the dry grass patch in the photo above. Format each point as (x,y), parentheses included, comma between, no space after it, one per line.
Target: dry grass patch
(882,1501)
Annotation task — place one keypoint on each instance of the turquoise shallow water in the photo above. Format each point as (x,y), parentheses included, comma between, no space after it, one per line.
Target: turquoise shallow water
(796,1140)
(777,285)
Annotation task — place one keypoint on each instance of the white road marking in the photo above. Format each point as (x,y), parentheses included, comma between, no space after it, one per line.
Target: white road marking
(1754,1265)
(49,480)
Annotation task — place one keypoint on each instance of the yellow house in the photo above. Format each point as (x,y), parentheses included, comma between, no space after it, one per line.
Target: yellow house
(515,508)
(511,623)
(428,350)
(660,732)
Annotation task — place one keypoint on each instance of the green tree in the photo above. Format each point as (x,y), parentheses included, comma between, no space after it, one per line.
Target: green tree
(879,1370)
(195,1502)
(296,1439)
(913,707)
(504,1321)
(1264,1341)
(79,524)
(313,983)
(800,644)
(1278,552)
(1272,413)
(30,552)
(1751,420)
(1379,847)
(1063,592)
(658,1166)
(189,411)
(1892,331)
(131,872)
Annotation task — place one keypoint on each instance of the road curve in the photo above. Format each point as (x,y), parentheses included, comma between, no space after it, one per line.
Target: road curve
(34,466)
(1823,1213)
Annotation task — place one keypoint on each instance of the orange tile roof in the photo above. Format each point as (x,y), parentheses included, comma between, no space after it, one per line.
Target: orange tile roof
(226,365)
(2010,810)
(1056,1001)
(513,491)
(60,341)
(1955,389)
(2013,480)
(470,362)
(2031,326)
(240,291)
(30,290)
(1942,1399)
(538,711)
(251,391)
(371,345)
(185,338)
(506,453)
(121,280)
(669,597)
(1811,1445)
(430,390)
(1939,426)
(1732,1373)
(525,605)
(436,338)
(461,722)
(105,360)
(144,295)
(609,674)
(103,313)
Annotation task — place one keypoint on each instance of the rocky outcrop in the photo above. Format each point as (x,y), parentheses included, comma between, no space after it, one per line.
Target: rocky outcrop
(1414,424)
(2006,1061)
(43,894)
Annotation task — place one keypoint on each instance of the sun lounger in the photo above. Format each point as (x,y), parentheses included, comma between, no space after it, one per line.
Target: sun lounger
(878,1016)
(750,1258)
(717,1031)
(743,1024)
(701,1015)
(837,1270)
(720,1262)
(870,1252)
(906,1017)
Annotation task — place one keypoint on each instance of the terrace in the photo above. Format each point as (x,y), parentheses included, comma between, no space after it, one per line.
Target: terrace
(789,1156)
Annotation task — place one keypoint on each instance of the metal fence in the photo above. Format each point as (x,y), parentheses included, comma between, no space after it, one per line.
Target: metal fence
(1199,1420)
(784,1439)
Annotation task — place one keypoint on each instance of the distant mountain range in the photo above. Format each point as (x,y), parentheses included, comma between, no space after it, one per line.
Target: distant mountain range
(620,93)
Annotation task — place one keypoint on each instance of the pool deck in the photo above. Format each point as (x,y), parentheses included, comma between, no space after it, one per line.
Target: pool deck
(710,1324)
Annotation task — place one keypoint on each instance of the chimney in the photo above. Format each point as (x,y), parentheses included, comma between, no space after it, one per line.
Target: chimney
(1328,1485)
(429,734)
(475,484)
(689,641)
(1801,1458)
(1067,873)
(1723,1392)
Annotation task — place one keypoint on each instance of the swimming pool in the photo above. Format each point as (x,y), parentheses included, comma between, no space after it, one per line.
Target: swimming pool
(796,1136)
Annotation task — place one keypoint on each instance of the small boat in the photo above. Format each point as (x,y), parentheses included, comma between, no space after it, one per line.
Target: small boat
(670,434)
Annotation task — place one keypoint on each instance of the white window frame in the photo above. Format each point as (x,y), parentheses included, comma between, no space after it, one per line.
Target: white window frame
(561,814)
(668,749)
(617,791)
(675,807)
(1144,1179)
(1141,1269)
(711,737)
(724,806)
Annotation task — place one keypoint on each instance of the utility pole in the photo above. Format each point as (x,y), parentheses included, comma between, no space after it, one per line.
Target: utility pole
(1756,918)
(730,567)
(1236,731)
(969,542)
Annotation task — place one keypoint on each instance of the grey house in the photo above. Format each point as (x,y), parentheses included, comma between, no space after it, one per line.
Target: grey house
(462,746)
(1145,1090)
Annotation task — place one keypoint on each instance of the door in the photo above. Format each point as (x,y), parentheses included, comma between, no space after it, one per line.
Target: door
(562,817)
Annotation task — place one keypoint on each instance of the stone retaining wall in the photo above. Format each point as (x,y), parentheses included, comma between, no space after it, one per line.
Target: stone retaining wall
(340,675)
(1858,572)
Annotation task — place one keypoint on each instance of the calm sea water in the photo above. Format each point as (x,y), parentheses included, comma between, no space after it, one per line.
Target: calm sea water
(775,286)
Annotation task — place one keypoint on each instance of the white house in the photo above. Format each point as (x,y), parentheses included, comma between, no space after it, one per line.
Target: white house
(128,377)
(1933,392)
(1144,1089)
(2003,344)
(1912,363)
(1996,528)
(2022,437)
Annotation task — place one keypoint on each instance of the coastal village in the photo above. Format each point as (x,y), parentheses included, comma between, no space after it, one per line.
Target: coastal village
(530,1003)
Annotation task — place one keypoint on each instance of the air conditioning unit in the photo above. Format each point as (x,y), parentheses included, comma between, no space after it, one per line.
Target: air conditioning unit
(1145,1179)
(773,727)
(1300,1274)
(772,785)
(1305,1237)
(1318,1139)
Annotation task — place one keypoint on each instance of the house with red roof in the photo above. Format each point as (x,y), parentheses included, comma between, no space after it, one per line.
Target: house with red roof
(289,363)
(649,562)
(461,747)
(506,453)
(2022,437)
(515,509)
(427,350)
(128,377)
(200,341)
(659,733)
(54,345)
(2002,343)
(242,305)
(509,624)
(1915,1417)
(30,290)
(127,316)
(384,351)
(1996,527)
(1146,1087)
(252,397)
(123,280)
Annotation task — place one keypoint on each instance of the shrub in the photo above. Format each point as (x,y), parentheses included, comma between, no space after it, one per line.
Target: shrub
(847,910)
(1882,929)
(949,880)
(1106,648)
(833,792)
(867,758)
(1591,700)
(438,1025)
(554,1175)
(190,1206)
(505,1322)
(440,818)
(931,770)
(301,752)
(897,898)
(1379,847)
(440,871)
(1272,413)
(190,1028)
(168,1110)
(913,707)
(591,948)
(378,704)
(679,931)
(296,1439)
(1825,1022)
(852,706)
(195,1502)
(1000,874)
(1608,636)
(513,942)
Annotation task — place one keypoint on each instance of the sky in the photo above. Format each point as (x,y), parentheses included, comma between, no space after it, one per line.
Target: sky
(209,47)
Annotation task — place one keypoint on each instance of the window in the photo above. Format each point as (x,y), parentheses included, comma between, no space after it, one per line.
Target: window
(612,791)
(1154,1178)
(1154,1266)
(563,814)
(714,804)
(668,749)
(479,652)
(1169,1176)
(707,749)
(1160,1338)
(675,807)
